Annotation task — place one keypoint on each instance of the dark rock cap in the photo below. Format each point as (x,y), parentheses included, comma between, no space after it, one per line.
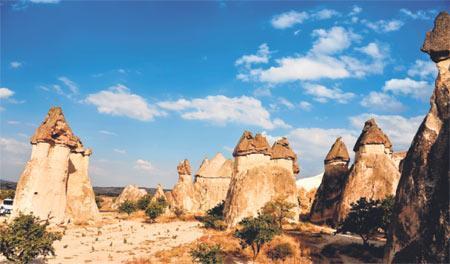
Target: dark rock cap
(338,151)
(282,150)
(251,145)
(372,134)
(437,41)
(55,130)
(184,168)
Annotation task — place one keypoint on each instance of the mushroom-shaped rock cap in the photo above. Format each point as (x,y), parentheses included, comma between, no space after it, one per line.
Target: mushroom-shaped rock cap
(282,150)
(55,130)
(184,168)
(338,151)
(250,145)
(437,41)
(372,134)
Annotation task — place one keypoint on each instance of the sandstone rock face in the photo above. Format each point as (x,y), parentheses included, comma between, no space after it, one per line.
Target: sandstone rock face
(183,193)
(374,174)
(258,177)
(55,182)
(326,203)
(212,181)
(305,199)
(159,193)
(419,231)
(130,193)
(398,158)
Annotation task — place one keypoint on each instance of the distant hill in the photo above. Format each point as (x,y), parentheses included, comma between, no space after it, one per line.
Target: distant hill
(109,191)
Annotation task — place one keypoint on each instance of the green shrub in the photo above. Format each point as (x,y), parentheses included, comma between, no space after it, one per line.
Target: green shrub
(280,251)
(154,209)
(256,231)
(7,194)
(26,238)
(207,254)
(280,209)
(387,206)
(178,211)
(162,201)
(217,211)
(214,217)
(127,207)
(143,202)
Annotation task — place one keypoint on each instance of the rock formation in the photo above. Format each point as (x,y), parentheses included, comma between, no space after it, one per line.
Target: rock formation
(374,174)
(130,193)
(212,181)
(305,199)
(419,232)
(55,182)
(398,157)
(183,193)
(326,202)
(159,193)
(257,178)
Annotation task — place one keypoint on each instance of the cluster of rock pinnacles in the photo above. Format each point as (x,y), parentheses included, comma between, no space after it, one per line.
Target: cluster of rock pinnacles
(258,172)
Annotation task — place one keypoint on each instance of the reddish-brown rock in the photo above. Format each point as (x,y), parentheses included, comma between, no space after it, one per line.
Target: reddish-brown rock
(281,150)
(420,229)
(250,145)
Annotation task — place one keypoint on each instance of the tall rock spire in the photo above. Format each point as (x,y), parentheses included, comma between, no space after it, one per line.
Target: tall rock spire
(372,134)
(419,230)
(338,152)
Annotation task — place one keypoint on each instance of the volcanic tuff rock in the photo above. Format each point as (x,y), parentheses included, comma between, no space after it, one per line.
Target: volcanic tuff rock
(326,202)
(55,181)
(398,158)
(183,193)
(281,150)
(130,193)
(305,199)
(419,231)
(184,168)
(374,174)
(212,181)
(258,178)
(159,193)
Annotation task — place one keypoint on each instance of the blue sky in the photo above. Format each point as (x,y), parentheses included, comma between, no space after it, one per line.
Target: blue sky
(147,84)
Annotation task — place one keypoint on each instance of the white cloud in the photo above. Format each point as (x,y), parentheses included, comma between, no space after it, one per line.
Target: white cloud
(407,86)
(13,122)
(383,26)
(262,91)
(355,10)
(73,87)
(5,93)
(399,129)
(261,56)
(306,106)
(325,14)
(15,64)
(332,41)
(106,132)
(381,101)
(120,151)
(373,50)
(288,19)
(119,101)
(143,165)
(423,69)
(323,94)
(420,14)
(221,110)
(285,102)
(13,146)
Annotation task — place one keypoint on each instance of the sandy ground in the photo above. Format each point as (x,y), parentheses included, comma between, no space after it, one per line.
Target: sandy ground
(117,240)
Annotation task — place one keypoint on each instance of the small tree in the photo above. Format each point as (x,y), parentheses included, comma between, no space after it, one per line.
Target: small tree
(256,231)
(26,238)
(127,207)
(280,251)
(280,209)
(214,217)
(178,211)
(387,206)
(217,211)
(156,208)
(143,202)
(364,219)
(207,254)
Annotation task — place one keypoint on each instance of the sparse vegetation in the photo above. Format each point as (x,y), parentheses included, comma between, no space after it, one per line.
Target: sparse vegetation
(156,208)
(214,217)
(127,207)
(280,251)
(178,211)
(280,209)
(27,238)
(387,206)
(143,202)
(256,231)
(6,194)
(207,254)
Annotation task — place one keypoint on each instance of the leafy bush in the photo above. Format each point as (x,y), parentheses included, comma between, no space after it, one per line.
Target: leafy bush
(280,209)
(127,207)
(207,254)
(156,208)
(162,201)
(217,211)
(6,194)
(26,238)
(256,231)
(214,217)
(143,202)
(387,206)
(178,211)
(280,251)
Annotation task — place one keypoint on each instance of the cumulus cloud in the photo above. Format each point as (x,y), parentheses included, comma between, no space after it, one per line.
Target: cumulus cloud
(323,94)
(355,10)
(221,110)
(382,101)
(384,26)
(409,87)
(306,106)
(286,103)
(333,40)
(325,14)
(73,87)
(399,129)
(423,69)
(15,64)
(5,93)
(119,101)
(143,165)
(288,19)
(261,56)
